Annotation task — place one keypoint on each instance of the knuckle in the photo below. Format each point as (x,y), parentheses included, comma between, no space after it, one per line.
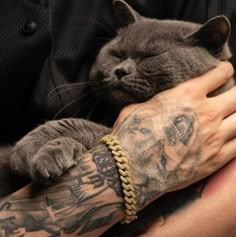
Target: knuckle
(211,115)
(227,69)
(215,163)
(211,165)
(188,89)
(211,168)
(214,144)
(221,154)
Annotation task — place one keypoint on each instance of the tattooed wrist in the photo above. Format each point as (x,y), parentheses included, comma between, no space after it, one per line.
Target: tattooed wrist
(106,168)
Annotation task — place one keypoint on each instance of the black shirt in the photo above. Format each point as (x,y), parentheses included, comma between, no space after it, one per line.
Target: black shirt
(48,43)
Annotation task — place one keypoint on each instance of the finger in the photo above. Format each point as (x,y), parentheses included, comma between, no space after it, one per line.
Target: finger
(215,78)
(225,102)
(227,153)
(228,128)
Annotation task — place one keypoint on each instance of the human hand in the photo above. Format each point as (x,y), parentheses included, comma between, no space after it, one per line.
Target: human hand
(180,136)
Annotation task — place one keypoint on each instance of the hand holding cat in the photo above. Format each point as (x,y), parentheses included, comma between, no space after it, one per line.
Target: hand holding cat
(180,136)
(174,139)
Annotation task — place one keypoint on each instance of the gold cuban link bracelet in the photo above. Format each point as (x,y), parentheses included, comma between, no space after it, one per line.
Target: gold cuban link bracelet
(122,164)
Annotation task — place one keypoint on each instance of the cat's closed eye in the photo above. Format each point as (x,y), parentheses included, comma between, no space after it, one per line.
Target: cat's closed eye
(118,54)
(143,55)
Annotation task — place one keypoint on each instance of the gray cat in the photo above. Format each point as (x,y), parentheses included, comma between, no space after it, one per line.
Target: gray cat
(146,57)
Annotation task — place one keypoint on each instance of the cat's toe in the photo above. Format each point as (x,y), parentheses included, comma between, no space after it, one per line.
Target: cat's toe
(49,164)
(54,158)
(46,168)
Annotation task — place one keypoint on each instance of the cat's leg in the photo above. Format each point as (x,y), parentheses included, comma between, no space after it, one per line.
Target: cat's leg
(85,132)
(54,158)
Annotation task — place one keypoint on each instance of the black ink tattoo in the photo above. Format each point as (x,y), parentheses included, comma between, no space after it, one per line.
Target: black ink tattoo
(170,135)
(184,127)
(107,168)
(67,207)
(76,204)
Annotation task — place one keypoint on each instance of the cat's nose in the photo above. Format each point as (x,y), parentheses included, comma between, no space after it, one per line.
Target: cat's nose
(120,72)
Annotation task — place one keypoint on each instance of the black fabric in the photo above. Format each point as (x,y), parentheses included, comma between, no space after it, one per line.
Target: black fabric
(62,49)
(21,59)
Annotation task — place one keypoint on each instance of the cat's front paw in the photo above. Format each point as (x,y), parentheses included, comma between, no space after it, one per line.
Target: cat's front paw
(54,158)
(22,152)
(25,149)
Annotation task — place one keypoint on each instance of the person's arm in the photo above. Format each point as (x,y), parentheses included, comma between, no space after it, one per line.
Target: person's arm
(212,214)
(86,201)
(171,141)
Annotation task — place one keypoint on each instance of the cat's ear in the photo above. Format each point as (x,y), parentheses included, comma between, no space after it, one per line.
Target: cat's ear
(124,13)
(213,35)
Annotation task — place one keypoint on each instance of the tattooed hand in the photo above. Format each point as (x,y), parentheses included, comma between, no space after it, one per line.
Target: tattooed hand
(179,136)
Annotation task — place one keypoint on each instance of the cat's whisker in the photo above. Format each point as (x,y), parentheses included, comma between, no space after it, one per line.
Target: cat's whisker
(72,86)
(90,99)
(64,107)
(93,90)
(89,92)
(76,100)
(69,89)
(83,106)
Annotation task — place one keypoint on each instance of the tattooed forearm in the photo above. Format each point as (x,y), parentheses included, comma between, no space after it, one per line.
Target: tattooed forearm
(85,200)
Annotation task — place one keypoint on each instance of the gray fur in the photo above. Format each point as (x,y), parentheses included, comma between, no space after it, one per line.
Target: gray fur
(157,55)
(146,57)
(52,148)
(8,181)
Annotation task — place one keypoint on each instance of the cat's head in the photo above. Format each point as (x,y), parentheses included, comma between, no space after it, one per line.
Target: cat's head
(150,55)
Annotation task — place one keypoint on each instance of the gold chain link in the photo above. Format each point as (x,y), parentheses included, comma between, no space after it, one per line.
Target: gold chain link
(126,181)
